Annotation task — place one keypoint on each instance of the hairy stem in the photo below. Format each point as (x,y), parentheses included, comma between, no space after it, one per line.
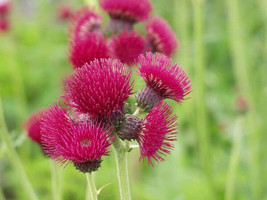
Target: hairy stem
(91,186)
(122,169)
(15,159)
(56,177)
(234,159)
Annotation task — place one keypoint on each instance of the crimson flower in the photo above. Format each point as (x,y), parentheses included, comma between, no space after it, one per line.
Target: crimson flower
(127,47)
(99,89)
(32,126)
(128,10)
(84,21)
(83,50)
(83,143)
(154,134)
(163,80)
(161,37)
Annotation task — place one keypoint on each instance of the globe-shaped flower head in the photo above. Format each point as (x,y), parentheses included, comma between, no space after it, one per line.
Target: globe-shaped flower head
(163,80)
(154,134)
(127,47)
(124,13)
(82,143)
(32,126)
(99,89)
(84,21)
(160,37)
(83,50)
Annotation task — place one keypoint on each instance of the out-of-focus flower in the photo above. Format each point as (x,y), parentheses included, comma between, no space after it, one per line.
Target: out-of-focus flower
(32,126)
(127,47)
(84,21)
(64,12)
(99,89)
(64,141)
(241,105)
(154,133)
(160,37)
(5,6)
(86,49)
(163,80)
(124,13)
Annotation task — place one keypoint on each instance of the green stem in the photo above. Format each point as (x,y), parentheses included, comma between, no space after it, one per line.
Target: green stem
(56,179)
(244,80)
(234,159)
(91,186)
(122,169)
(201,113)
(15,159)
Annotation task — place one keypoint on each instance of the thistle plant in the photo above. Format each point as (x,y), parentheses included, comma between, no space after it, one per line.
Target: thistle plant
(94,113)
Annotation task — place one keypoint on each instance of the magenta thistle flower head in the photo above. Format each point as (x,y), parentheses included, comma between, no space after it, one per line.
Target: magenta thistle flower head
(4,7)
(127,47)
(83,143)
(159,130)
(127,10)
(84,21)
(163,80)
(154,133)
(160,37)
(32,126)
(99,89)
(84,50)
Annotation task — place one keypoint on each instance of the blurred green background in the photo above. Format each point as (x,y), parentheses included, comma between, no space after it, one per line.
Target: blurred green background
(220,152)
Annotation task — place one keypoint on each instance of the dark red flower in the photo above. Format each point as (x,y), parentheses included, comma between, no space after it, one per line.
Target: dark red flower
(84,21)
(127,10)
(158,131)
(84,50)
(32,126)
(163,80)
(127,47)
(160,37)
(64,12)
(99,89)
(83,143)
(4,7)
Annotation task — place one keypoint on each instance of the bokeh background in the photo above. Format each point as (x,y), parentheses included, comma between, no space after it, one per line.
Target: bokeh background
(220,152)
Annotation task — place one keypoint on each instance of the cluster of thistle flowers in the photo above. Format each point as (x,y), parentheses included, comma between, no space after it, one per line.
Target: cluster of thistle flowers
(89,39)
(83,129)
(4,15)
(94,109)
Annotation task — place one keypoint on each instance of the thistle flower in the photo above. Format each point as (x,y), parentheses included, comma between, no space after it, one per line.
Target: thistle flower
(160,37)
(154,133)
(4,7)
(99,89)
(84,21)
(32,126)
(124,13)
(64,141)
(84,50)
(64,12)
(127,47)
(127,10)
(241,105)
(163,80)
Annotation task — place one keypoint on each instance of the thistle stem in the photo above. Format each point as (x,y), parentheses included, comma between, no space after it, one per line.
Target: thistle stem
(91,186)
(137,112)
(2,196)
(15,159)
(201,113)
(234,159)
(56,178)
(122,169)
